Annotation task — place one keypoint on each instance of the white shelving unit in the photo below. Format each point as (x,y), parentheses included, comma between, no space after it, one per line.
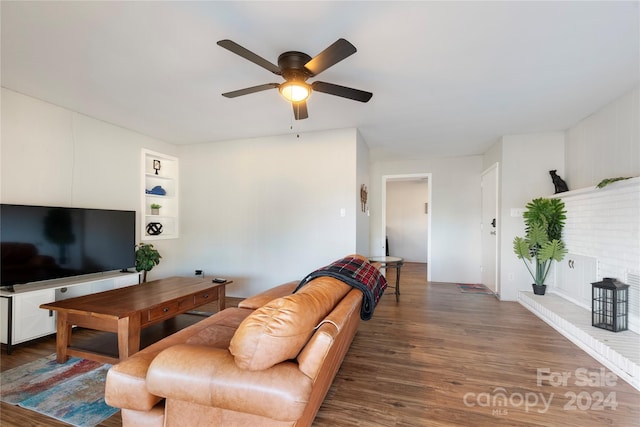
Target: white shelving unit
(23,320)
(166,178)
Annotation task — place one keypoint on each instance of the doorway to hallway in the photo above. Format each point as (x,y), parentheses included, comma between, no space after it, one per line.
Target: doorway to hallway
(406,217)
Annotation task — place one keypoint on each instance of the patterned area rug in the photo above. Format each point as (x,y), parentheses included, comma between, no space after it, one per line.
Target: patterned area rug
(474,289)
(72,392)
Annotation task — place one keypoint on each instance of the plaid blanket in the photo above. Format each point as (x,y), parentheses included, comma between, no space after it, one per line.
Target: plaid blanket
(357,273)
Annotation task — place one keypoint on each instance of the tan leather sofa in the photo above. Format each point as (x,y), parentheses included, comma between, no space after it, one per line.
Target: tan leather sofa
(268,362)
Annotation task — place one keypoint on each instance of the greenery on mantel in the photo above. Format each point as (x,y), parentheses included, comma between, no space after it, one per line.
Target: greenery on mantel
(608,181)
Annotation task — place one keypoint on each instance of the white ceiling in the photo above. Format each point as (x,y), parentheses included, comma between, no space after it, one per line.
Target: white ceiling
(448,78)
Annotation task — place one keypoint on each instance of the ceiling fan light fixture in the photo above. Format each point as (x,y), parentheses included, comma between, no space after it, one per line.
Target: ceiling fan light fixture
(295,91)
(295,68)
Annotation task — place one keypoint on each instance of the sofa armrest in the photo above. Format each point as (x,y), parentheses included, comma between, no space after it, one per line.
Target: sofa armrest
(209,376)
(256,301)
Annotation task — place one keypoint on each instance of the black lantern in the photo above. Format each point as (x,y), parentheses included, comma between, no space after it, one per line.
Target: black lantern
(610,305)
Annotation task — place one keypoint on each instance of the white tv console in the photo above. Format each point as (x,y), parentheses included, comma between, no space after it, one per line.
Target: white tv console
(21,317)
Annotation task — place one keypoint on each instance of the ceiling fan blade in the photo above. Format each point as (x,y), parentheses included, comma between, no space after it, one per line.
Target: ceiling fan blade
(300,110)
(248,55)
(252,89)
(345,92)
(335,53)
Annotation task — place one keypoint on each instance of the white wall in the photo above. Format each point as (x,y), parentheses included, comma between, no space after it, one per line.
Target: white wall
(362,178)
(525,165)
(53,156)
(407,222)
(246,200)
(261,211)
(605,144)
(267,210)
(493,155)
(604,223)
(455,213)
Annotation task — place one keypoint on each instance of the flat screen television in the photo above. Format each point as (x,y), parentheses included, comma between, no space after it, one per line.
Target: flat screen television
(44,242)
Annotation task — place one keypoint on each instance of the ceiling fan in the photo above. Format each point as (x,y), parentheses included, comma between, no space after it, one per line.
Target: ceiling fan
(296,68)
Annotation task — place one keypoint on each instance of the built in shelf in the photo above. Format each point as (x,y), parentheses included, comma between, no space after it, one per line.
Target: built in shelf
(167,221)
(618,351)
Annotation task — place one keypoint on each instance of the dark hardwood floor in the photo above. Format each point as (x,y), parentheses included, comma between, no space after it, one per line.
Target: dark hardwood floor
(440,357)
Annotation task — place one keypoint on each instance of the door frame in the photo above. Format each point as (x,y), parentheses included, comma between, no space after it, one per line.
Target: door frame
(383,210)
(495,166)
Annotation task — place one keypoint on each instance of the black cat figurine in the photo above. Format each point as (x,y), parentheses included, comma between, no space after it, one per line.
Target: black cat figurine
(558,182)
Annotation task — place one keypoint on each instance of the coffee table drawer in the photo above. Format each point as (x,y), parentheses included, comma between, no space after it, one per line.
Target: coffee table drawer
(170,309)
(206,296)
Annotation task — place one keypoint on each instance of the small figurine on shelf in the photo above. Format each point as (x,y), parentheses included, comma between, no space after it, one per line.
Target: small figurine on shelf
(559,183)
(157,191)
(156,166)
(154,229)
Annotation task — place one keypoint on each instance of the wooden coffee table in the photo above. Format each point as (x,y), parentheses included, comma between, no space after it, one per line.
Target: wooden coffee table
(126,311)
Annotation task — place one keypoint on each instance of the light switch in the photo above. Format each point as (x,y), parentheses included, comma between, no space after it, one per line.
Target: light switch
(343,212)
(517,212)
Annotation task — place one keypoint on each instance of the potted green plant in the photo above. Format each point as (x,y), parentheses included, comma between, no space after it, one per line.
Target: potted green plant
(542,244)
(155,208)
(147,257)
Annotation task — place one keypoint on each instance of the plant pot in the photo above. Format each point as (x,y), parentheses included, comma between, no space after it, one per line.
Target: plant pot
(539,289)
(155,211)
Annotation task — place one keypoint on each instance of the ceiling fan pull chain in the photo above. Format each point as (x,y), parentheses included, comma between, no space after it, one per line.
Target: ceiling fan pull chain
(291,124)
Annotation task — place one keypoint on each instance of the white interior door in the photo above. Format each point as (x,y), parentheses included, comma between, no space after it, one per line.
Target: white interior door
(490,228)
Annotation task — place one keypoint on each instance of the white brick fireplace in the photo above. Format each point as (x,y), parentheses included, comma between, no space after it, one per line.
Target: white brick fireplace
(602,234)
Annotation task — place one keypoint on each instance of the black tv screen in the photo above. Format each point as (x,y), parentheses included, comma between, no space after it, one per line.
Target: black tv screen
(43,242)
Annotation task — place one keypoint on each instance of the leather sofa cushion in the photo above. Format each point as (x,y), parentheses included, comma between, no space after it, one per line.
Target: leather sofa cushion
(344,319)
(151,418)
(278,330)
(126,385)
(209,377)
(269,295)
